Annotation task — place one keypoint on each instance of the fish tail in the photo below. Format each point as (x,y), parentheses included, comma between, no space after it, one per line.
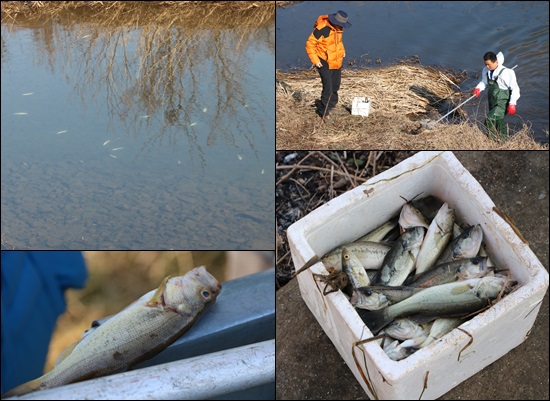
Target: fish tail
(24,388)
(375,320)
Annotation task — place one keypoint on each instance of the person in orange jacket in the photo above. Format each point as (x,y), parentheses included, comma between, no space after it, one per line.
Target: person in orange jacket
(326,51)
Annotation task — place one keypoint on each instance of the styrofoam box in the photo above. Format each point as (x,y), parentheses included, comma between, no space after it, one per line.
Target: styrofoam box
(495,331)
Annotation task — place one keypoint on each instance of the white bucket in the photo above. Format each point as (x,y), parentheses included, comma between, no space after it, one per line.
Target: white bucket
(360,106)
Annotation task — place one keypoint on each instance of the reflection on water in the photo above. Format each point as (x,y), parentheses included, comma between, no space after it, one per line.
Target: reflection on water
(139,134)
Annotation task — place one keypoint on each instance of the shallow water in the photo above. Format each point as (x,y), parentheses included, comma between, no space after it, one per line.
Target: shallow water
(443,33)
(152,137)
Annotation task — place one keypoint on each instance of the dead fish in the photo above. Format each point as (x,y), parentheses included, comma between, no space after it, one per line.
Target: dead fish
(106,142)
(113,156)
(438,236)
(115,149)
(156,320)
(192,124)
(400,260)
(20,114)
(61,132)
(461,297)
(27,94)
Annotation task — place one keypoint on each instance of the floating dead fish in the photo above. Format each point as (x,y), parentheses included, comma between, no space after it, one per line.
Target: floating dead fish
(192,124)
(245,105)
(113,156)
(20,114)
(27,94)
(61,132)
(106,142)
(239,157)
(115,149)
(204,110)
(263,171)
(84,37)
(147,116)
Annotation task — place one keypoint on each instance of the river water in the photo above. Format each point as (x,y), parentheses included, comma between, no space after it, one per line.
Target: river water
(133,135)
(453,34)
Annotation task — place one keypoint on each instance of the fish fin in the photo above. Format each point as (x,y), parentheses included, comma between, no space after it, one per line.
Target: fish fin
(375,320)
(156,299)
(24,388)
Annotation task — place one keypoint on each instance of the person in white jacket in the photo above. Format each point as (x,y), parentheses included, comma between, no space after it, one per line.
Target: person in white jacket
(503,93)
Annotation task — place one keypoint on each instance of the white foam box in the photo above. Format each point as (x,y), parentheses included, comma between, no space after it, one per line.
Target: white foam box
(433,370)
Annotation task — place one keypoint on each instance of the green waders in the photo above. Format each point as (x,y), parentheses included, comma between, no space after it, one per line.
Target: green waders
(498,103)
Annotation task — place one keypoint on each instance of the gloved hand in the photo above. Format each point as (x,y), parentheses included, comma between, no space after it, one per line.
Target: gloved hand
(511,109)
(477,92)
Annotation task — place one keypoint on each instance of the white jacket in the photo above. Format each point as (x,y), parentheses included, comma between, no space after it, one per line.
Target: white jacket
(506,80)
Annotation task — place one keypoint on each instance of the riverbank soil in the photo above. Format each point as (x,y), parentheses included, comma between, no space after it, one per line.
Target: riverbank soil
(308,365)
(406,99)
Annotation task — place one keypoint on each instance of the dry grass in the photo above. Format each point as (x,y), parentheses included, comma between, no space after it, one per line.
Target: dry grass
(401,95)
(233,12)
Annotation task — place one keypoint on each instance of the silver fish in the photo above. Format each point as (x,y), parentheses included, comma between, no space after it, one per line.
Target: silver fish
(379,232)
(411,217)
(438,236)
(378,297)
(138,332)
(371,255)
(466,245)
(451,271)
(461,297)
(351,265)
(440,327)
(400,260)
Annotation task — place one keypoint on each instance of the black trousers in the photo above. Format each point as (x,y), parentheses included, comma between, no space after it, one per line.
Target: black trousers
(331,84)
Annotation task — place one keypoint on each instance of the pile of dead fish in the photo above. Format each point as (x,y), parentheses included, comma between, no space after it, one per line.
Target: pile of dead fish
(416,280)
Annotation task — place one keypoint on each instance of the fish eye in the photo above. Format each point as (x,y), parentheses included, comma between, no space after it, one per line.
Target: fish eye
(205,294)
(346,256)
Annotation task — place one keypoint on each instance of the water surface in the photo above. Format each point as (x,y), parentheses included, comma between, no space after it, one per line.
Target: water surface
(121,133)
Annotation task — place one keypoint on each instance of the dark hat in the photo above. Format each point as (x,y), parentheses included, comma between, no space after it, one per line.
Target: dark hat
(340,19)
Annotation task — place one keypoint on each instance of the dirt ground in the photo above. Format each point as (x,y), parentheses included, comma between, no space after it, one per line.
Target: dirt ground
(308,366)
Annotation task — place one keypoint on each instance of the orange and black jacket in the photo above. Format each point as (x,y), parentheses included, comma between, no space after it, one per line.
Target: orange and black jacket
(325,42)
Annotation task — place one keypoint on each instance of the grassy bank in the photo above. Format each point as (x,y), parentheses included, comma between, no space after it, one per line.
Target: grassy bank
(402,97)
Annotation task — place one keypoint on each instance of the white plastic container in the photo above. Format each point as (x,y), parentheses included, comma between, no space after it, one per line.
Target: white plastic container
(434,370)
(360,106)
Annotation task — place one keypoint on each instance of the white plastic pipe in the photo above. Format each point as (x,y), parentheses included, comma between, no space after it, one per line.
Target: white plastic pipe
(200,377)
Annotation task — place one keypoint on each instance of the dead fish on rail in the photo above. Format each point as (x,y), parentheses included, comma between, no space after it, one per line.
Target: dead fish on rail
(157,320)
